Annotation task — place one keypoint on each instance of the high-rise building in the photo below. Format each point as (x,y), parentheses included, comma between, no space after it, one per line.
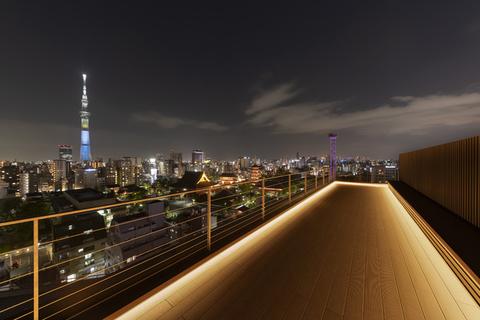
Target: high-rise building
(24,184)
(178,167)
(176,157)
(169,166)
(49,166)
(333,155)
(85,152)
(198,156)
(244,163)
(9,174)
(3,189)
(111,174)
(391,172)
(85,178)
(161,168)
(153,172)
(65,152)
(125,171)
(228,167)
(60,174)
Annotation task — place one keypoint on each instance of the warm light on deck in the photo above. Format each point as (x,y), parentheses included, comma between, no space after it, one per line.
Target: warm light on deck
(212,266)
(430,266)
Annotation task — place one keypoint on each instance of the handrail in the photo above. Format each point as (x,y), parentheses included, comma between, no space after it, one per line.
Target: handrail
(226,227)
(132,202)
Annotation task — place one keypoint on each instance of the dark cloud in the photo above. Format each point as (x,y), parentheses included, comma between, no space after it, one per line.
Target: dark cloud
(402,116)
(260,79)
(169,122)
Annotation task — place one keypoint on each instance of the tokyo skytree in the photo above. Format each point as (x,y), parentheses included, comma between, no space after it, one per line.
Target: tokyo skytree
(85,152)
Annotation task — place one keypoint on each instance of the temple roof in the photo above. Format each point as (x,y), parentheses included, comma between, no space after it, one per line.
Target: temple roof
(194,180)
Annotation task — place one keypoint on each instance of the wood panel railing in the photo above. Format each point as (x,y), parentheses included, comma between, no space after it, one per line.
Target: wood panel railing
(449,174)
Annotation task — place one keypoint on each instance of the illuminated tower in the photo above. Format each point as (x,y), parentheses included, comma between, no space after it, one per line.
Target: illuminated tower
(85,153)
(333,156)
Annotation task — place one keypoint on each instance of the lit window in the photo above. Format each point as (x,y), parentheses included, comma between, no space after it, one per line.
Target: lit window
(71,277)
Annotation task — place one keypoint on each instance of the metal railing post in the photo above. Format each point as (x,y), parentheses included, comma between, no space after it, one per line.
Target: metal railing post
(289,187)
(209,218)
(316,181)
(263,198)
(306,175)
(323,178)
(35,271)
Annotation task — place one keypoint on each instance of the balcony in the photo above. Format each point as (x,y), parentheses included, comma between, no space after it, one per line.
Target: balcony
(302,248)
(70,263)
(349,251)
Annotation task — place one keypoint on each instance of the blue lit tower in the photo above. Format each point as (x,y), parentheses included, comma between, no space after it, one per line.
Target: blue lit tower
(333,156)
(85,153)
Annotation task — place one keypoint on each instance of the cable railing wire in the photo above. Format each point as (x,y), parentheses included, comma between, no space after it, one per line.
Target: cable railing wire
(123,223)
(112,266)
(259,217)
(109,247)
(133,265)
(226,226)
(115,274)
(117,244)
(174,240)
(103,249)
(123,280)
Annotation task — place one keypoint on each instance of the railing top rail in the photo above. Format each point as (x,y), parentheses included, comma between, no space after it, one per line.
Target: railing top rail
(133,202)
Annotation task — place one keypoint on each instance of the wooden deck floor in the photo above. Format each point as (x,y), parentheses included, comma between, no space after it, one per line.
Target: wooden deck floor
(349,252)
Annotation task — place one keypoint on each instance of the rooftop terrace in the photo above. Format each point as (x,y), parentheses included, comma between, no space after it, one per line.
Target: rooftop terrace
(348,251)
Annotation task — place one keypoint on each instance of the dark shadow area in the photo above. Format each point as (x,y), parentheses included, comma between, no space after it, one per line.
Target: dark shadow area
(460,235)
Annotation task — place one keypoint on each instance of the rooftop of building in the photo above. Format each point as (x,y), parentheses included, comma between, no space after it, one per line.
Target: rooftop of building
(348,251)
(193,180)
(228,175)
(86,194)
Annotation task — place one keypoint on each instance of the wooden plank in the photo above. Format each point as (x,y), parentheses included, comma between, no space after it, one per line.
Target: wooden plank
(350,259)
(356,286)
(373,304)
(406,290)
(443,295)
(392,307)
(426,297)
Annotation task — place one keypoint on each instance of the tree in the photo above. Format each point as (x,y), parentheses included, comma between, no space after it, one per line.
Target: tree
(9,207)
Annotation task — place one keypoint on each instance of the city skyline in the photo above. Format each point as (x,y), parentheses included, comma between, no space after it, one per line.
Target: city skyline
(236,160)
(157,78)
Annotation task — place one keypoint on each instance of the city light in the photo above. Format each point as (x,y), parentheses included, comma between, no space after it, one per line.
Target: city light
(213,264)
(314,160)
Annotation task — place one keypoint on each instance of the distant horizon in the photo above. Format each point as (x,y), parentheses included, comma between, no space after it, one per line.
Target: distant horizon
(186,159)
(207,154)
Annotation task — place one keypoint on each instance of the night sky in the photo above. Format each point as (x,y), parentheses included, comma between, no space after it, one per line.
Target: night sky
(260,79)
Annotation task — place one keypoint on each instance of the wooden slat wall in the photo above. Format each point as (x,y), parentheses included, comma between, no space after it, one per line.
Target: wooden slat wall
(448,174)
